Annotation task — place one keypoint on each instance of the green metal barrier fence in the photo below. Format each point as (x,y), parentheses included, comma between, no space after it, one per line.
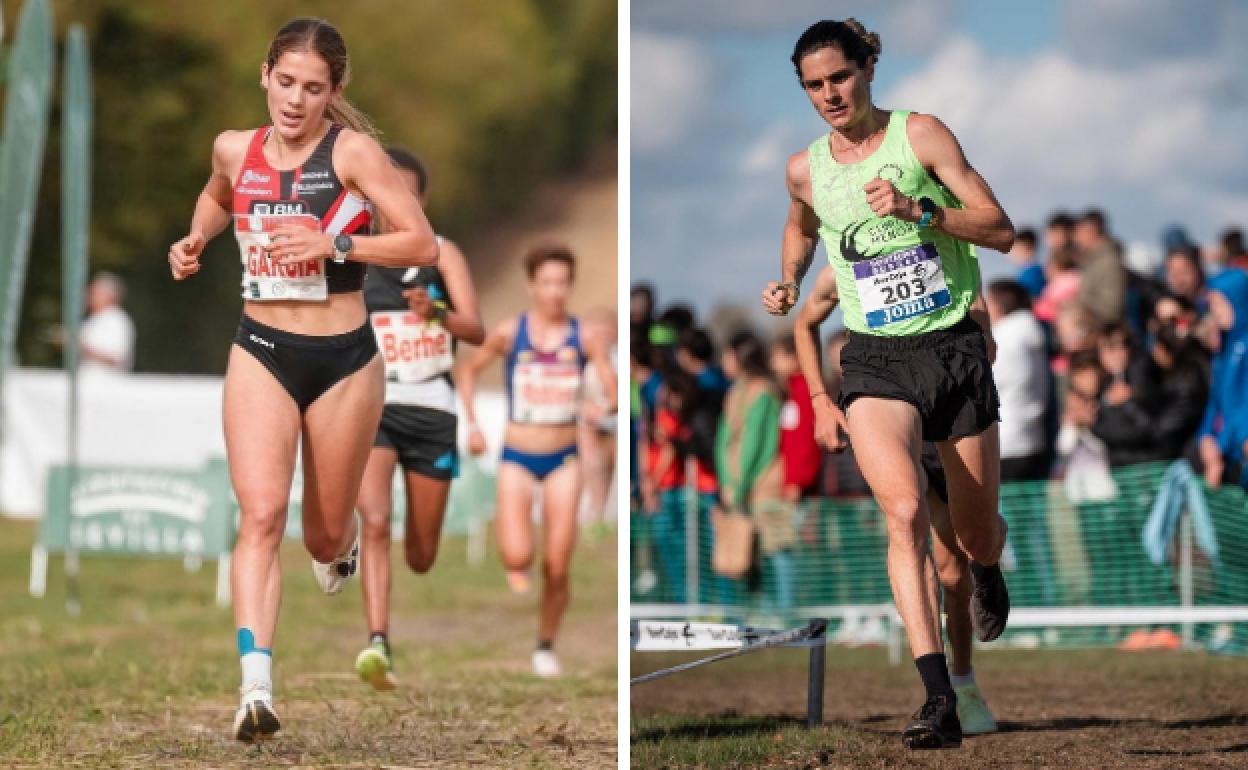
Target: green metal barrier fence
(1062,558)
(154,512)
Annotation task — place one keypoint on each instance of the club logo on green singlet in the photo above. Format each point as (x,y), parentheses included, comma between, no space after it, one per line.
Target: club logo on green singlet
(849,250)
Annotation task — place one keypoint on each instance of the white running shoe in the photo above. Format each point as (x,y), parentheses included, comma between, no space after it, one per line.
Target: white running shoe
(333,576)
(973,711)
(255,719)
(546,665)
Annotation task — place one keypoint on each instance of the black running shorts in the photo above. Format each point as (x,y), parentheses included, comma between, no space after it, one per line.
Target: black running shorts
(944,374)
(424,439)
(930,460)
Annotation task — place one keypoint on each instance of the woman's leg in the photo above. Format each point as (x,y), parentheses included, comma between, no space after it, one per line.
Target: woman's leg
(373,663)
(561,491)
(339,428)
(515,523)
(426,510)
(886,439)
(375,508)
(261,434)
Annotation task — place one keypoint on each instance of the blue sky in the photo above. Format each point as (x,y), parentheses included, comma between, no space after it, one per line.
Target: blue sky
(1138,106)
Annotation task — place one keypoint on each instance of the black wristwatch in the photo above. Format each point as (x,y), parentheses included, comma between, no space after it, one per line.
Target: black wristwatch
(342,247)
(929,209)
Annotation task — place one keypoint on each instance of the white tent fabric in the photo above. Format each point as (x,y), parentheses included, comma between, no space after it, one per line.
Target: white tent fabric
(155,421)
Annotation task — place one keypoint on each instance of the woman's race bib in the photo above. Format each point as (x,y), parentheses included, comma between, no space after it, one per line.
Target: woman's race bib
(413,349)
(263,278)
(901,285)
(546,392)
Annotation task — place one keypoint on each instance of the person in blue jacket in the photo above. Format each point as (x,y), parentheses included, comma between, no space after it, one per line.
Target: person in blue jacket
(1223,431)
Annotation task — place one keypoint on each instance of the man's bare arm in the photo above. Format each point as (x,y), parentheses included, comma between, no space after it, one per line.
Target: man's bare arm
(797,246)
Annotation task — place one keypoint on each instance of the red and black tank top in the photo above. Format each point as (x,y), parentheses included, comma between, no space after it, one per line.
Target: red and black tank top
(313,188)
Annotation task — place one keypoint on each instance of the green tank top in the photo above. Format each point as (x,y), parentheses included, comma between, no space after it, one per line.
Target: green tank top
(893,279)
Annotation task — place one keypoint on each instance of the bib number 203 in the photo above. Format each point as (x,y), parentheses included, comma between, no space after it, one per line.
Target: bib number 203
(900,292)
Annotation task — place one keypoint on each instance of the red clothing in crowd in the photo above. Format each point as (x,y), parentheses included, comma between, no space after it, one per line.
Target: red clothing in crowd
(667,428)
(802,456)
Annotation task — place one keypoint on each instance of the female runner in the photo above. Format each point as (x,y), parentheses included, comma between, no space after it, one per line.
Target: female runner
(303,374)
(418,313)
(545,351)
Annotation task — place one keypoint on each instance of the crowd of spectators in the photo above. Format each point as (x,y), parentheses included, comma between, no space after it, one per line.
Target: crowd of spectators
(1098,366)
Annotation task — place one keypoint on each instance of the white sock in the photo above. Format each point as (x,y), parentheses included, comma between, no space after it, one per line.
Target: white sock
(963,681)
(257,667)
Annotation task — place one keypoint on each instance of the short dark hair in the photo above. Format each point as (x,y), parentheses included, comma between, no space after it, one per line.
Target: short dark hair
(1096,218)
(408,161)
(849,36)
(1233,241)
(697,343)
(1086,360)
(1061,219)
(1190,252)
(1026,236)
(748,349)
(678,316)
(1009,295)
(1118,329)
(549,252)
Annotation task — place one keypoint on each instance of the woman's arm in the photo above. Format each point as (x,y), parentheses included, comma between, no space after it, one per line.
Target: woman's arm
(464,320)
(213,207)
(597,350)
(496,344)
(362,165)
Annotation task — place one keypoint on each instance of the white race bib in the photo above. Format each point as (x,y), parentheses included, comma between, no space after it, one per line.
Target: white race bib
(901,285)
(546,392)
(413,349)
(263,278)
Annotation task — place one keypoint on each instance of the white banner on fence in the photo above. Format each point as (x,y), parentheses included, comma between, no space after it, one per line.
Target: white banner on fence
(170,422)
(665,636)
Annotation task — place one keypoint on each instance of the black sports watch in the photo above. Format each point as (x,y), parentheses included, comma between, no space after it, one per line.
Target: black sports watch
(929,209)
(342,247)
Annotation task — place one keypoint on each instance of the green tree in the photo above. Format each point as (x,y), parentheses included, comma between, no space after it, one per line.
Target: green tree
(496,95)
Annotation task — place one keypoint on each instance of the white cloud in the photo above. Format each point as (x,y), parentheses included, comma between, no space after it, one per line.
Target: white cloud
(1048,119)
(1122,33)
(1150,125)
(670,75)
(910,20)
(768,153)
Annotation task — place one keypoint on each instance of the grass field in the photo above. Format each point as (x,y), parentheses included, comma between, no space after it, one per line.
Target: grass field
(147,675)
(1072,710)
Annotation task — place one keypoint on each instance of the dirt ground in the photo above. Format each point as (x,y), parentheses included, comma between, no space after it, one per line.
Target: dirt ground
(146,676)
(1067,709)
